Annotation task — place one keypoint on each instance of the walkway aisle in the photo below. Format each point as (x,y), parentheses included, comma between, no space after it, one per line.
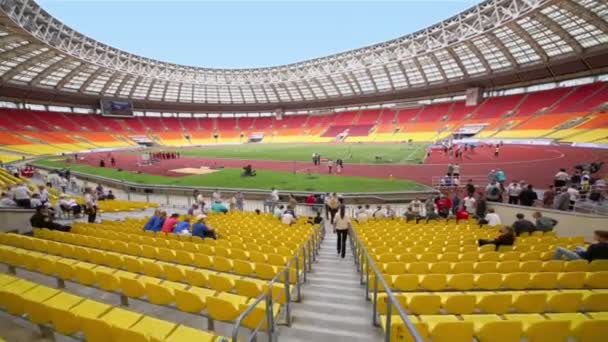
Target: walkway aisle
(333,306)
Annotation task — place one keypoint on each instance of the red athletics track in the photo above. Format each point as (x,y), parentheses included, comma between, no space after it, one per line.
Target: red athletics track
(534,164)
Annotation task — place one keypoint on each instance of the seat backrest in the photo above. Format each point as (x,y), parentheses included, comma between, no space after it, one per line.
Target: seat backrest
(424,304)
(495,303)
(548,331)
(565,302)
(500,331)
(452,331)
(533,302)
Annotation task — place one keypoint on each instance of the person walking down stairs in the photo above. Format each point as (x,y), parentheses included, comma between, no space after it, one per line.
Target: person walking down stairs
(341,226)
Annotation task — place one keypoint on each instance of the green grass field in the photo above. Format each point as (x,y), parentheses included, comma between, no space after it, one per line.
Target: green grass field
(351,153)
(230,178)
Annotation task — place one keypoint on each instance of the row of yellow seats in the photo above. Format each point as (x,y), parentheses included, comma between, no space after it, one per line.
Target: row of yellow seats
(495,281)
(531,266)
(483,255)
(219,305)
(556,327)
(502,302)
(180,256)
(180,242)
(160,259)
(438,240)
(99,322)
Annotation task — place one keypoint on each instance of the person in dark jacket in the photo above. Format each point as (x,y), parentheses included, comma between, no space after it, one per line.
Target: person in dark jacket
(595,251)
(506,238)
(42,219)
(522,225)
(544,223)
(528,196)
(482,207)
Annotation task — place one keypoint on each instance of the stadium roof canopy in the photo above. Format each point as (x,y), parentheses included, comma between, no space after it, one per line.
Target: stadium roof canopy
(496,43)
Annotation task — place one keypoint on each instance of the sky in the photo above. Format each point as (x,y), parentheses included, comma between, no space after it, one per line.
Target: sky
(247,34)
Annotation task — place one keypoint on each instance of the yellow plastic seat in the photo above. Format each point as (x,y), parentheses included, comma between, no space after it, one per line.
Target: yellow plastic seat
(598,265)
(531,266)
(462,267)
(395,268)
(576,266)
(151,268)
(553,266)
(162,294)
(494,303)
(463,281)
(544,280)
(564,302)
(490,328)
(174,272)
(440,267)
(445,329)
(222,282)
(84,273)
(485,267)
(202,260)
(132,287)
(248,288)
(516,281)
(458,304)
(509,266)
(433,282)
(488,281)
(597,279)
(222,264)
(118,317)
(571,280)
(596,301)
(423,304)
(405,282)
(192,300)
(152,327)
(225,306)
(197,277)
(532,302)
(591,331)
(40,313)
(548,331)
(381,304)
(106,280)
(243,267)
(165,254)
(265,271)
(184,333)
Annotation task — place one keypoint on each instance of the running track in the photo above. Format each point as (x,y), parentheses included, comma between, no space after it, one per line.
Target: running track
(534,164)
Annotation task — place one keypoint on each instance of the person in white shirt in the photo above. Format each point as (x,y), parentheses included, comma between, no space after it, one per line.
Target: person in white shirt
(574,195)
(90,205)
(561,178)
(278,211)
(491,219)
(22,195)
(469,203)
(44,193)
(200,200)
(361,214)
(216,196)
(288,218)
(35,201)
(369,211)
(273,200)
(513,190)
(390,213)
(6,201)
(341,226)
(63,183)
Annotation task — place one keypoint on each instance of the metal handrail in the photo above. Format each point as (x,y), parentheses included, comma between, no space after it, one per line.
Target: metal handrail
(392,300)
(268,295)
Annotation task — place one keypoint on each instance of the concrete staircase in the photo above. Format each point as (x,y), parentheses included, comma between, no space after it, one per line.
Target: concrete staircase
(333,306)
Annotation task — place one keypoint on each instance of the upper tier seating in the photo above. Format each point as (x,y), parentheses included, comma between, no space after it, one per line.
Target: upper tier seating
(352,130)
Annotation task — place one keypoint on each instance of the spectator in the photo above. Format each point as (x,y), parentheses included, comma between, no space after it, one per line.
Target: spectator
(69,205)
(63,184)
(528,196)
(513,191)
(491,219)
(456,203)
(192,209)
(379,213)
(369,210)
(240,201)
(576,178)
(288,217)
(218,207)
(456,170)
(573,194)
(430,210)
(481,207)
(492,176)
(470,187)
(310,199)
(333,204)
(155,222)
(278,211)
(469,203)
(493,192)
(35,202)
(506,238)
(561,178)
(444,204)
(42,219)
(450,172)
(361,214)
(415,209)
(216,196)
(99,192)
(315,220)
(169,223)
(110,195)
(543,223)
(200,200)
(500,177)
(341,226)
(90,205)
(44,194)
(182,227)
(521,225)
(562,201)
(273,200)
(390,212)
(7,201)
(22,196)
(595,251)
(462,214)
(292,202)
(549,197)
(201,229)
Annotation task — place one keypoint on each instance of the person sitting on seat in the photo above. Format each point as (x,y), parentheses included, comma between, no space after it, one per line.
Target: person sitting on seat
(182,227)
(69,205)
(169,223)
(544,223)
(315,220)
(219,207)
(491,219)
(110,195)
(521,225)
(155,222)
(361,214)
(278,211)
(506,238)
(201,229)
(289,217)
(42,219)
(462,214)
(596,251)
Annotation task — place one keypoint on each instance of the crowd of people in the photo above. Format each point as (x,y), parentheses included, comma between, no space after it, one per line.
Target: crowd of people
(164,155)
(159,222)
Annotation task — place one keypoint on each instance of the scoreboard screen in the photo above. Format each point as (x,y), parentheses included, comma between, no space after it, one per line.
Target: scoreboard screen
(113,107)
